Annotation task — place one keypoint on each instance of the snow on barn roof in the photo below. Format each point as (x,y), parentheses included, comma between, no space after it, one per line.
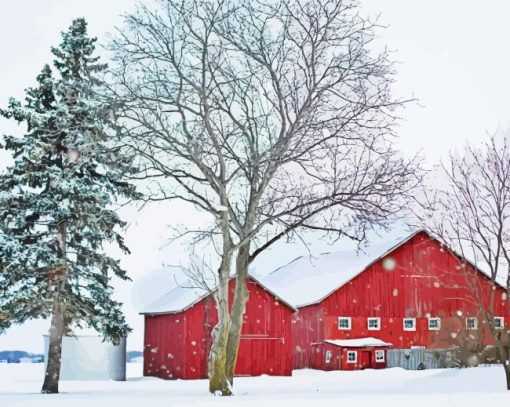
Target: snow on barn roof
(357,343)
(182,298)
(178,299)
(307,280)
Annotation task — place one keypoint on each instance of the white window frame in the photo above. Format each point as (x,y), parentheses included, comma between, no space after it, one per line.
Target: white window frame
(350,352)
(349,323)
(328,356)
(502,319)
(380,356)
(413,328)
(475,327)
(438,324)
(378,328)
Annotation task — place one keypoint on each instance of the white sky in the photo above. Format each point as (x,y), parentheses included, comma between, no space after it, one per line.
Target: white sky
(453,56)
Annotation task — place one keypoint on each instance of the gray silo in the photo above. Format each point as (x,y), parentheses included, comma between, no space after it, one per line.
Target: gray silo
(86,357)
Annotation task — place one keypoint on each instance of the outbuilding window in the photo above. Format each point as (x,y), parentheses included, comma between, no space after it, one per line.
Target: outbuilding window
(352,356)
(328,356)
(379,356)
(344,323)
(472,323)
(374,324)
(434,324)
(409,324)
(499,322)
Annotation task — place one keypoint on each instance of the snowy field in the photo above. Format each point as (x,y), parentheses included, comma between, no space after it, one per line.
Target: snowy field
(20,384)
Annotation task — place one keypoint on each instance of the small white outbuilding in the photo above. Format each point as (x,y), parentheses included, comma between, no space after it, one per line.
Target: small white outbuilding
(86,357)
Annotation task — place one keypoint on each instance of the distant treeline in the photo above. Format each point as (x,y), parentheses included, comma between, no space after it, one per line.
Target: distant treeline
(15,356)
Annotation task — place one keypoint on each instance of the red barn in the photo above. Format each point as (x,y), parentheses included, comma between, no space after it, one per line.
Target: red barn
(413,293)
(178,334)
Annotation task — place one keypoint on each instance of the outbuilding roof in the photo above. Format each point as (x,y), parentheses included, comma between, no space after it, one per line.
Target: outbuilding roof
(358,343)
(183,297)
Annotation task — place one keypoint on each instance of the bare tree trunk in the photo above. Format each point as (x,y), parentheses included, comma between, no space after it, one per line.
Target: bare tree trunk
(507,373)
(57,330)
(218,382)
(238,307)
(504,357)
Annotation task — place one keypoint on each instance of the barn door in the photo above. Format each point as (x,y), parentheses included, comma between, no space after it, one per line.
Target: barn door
(366,359)
(260,355)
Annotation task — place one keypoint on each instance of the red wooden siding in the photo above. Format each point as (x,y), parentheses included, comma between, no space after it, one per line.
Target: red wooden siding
(361,363)
(318,357)
(307,329)
(164,361)
(428,281)
(266,341)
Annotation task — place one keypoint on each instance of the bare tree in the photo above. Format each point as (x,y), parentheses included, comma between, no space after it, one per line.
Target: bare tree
(471,214)
(273,116)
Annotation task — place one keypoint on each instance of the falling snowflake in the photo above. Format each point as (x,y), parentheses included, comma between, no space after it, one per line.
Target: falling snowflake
(473,360)
(395,292)
(389,264)
(73,155)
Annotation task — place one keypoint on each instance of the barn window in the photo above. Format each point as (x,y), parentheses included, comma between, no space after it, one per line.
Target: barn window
(409,324)
(499,322)
(379,356)
(374,324)
(434,324)
(471,323)
(344,322)
(352,356)
(328,356)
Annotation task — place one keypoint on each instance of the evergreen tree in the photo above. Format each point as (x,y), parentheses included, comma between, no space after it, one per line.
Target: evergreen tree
(56,203)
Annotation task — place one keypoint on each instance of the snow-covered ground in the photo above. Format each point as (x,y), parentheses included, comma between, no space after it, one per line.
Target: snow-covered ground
(20,384)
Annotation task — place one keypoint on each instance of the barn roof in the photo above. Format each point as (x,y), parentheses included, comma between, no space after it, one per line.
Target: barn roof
(357,343)
(182,298)
(306,280)
(177,299)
